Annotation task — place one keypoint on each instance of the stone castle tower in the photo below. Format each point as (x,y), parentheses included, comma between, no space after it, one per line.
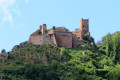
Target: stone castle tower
(84,27)
(83,30)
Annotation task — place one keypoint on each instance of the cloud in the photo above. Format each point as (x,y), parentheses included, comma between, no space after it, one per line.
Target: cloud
(6,11)
(26,1)
(7,16)
(6,3)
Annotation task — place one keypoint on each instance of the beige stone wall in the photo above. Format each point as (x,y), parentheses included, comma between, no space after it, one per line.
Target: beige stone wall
(61,29)
(37,39)
(50,31)
(48,39)
(68,41)
(42,39)
(54,40)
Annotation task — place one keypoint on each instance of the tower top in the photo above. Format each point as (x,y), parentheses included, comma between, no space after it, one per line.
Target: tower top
(85,19)
(84,26)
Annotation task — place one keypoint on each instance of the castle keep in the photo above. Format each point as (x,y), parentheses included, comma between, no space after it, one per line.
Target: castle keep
(60,36)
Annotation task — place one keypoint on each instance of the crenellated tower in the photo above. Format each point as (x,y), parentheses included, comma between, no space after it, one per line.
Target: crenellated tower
(84,27)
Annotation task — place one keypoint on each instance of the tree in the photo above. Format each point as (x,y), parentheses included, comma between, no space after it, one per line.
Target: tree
(3,51)
(116,46)
(112,48)
(108,44)
(86,37)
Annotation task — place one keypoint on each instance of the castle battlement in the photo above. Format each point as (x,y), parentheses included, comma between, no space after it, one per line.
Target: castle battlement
(60,36)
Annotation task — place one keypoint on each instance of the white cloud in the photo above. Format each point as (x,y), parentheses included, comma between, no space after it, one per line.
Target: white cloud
(26,1)
(7,8)
(5,11)
(7,16)
(6,3)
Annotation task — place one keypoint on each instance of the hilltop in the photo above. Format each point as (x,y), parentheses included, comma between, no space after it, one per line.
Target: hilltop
(50,62)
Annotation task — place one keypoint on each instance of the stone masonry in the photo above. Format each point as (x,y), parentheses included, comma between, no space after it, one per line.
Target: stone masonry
(60,36)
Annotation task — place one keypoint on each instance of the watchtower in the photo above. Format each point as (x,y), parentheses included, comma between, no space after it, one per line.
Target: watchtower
(84,27)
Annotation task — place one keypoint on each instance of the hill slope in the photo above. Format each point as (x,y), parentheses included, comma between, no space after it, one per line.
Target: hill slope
(48,62)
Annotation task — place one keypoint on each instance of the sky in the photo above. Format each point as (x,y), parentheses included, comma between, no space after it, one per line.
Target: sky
(20,18)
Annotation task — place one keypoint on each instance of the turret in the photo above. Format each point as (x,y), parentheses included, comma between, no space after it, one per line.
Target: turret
(43,28)
(84,25)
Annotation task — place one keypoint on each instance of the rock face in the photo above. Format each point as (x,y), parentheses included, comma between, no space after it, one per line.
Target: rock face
(60,36)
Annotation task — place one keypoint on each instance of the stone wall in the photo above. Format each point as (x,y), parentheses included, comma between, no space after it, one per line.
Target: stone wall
(65,41)
(50,31)
(42,39)
(81,42)
(78,33)
(61,29)
(64,38)
(37,39)
(54,40)
(74,40)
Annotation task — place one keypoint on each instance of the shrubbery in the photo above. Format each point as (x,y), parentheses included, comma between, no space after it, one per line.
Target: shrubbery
(48,62)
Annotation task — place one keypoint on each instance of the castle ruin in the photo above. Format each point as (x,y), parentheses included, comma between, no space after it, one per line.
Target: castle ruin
(60,36)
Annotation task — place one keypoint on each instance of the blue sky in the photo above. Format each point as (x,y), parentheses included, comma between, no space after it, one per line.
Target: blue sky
(19,18)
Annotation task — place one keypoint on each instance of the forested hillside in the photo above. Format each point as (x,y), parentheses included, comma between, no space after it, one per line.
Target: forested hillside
(48,62)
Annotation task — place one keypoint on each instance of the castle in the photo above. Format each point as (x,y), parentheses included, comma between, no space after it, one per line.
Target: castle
(60,36)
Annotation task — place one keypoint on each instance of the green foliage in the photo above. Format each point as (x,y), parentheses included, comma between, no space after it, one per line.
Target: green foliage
(114,73)
(112,48)
(86,37)
(99,43)
(40,33)
(91,39)
(46,31)
(53,27)
(3,51)
(48,62)
(78,38)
